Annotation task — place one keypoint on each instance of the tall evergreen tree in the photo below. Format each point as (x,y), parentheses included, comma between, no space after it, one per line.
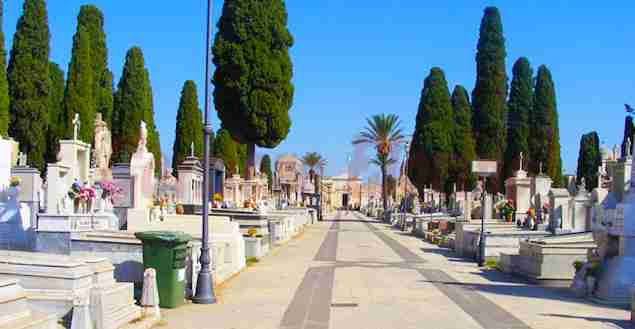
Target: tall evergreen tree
(490,92)
(521,100)
(4,84)
(189,126)
(589,160)
(463,146)
(133,104)
(629,131)
(544,135)
(92,20)
(265,169)
(253,91)
(78,97)
(242,154)
(431,148)
(56,108)
(29,84)
(226,148)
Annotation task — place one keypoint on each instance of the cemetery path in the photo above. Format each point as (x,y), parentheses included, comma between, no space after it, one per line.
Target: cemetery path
(353,272)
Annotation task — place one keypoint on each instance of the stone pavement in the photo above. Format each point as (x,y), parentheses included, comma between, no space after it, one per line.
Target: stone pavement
(353,272)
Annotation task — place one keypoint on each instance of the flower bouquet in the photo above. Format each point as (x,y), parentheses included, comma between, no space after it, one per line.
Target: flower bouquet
(14,181)
(508,209)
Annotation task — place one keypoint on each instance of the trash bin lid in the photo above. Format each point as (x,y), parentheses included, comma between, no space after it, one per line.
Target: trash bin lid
(169,237)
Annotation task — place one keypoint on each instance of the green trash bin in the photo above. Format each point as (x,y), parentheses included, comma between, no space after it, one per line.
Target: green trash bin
(166,252)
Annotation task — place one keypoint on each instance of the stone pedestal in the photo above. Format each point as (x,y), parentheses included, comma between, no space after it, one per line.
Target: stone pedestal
(488,207)
(75,155)
(15,311)
(559,212)
(519,190)
(581,206)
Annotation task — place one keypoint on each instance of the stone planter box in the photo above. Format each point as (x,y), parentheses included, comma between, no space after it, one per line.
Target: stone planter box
(256,247)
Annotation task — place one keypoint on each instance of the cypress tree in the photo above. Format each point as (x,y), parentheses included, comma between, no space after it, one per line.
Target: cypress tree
(29,85)
(78,97)
(490,92)
(629,130)
(56,108)
(4,84)
(463,146)
(226,148)
(519,106)
(265,169)
(92,20)
(589,160)
(133,104)
(432,140)
(544,136)
(189,126)
(253,91)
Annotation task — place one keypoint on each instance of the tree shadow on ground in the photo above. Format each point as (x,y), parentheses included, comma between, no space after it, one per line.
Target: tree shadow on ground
(520,290)
(447,253)
(623,324)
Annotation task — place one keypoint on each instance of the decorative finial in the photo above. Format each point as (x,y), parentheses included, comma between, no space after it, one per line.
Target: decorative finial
(541,167)
(521,161)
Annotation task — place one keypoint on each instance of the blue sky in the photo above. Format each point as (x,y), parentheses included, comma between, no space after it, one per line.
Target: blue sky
(355,58)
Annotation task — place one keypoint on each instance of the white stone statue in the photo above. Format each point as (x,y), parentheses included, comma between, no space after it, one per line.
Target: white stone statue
(143,137)
(616,152)
(192,149)
(103,146)
(22,159)
(627,148)
(76,124)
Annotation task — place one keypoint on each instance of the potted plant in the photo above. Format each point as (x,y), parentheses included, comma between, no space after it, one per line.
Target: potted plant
(507,210)
(179,209)
(14,188)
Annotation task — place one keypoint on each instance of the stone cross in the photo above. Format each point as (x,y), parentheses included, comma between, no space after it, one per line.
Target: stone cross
(521,161)
(76,124)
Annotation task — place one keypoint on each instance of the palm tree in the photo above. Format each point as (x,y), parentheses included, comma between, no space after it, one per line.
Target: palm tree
(313,160)
(382,132)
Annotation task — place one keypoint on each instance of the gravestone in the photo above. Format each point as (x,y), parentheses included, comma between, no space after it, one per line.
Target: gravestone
(580,206)
(190,185)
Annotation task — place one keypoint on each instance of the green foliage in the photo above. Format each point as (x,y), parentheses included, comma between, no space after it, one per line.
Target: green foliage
(227,149)
(519,106)
(629,131)
(92,20)
(544,136)
(589,160)
(253,91)
(464,147)
(29,85)
(490,92)
(241,153)
(189,126)
(4,84)
(265,169)
(313,160)
(432,145)
(133,104)
(382,132)
(56,108)
(78,97)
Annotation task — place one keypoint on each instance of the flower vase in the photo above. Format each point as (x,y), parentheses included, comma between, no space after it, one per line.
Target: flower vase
(12,194)
(590,285)
(89,206)
(76,206)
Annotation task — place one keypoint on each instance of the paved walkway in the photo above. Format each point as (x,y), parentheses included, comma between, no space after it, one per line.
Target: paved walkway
(352,272)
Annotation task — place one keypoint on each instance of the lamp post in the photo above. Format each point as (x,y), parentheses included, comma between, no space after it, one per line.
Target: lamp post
(204,285)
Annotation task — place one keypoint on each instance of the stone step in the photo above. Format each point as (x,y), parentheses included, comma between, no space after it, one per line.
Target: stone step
(35,320)
(13,302)
(123,316)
